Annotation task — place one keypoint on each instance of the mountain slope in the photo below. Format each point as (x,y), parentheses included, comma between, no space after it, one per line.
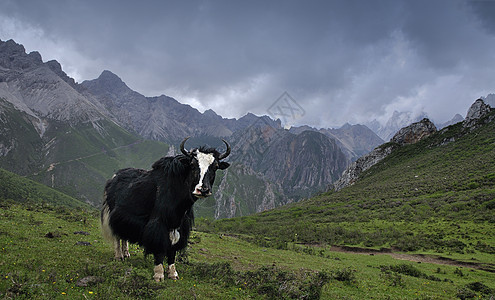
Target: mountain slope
(353,140)
(19,189)
(74,159)
(448,176)
(54,134)
(36,88)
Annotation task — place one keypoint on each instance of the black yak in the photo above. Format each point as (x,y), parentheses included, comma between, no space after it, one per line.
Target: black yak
(155,208)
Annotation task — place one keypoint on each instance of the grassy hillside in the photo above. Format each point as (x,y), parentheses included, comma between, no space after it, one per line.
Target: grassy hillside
(436,196)
(15,188)
(72,261)
(84,177)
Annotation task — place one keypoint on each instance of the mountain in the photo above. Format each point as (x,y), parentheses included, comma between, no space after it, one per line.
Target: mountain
(456,119)
(273,167)
(405,136)
(54,134)
(158,118)
(303,163)
(36,89)
(165,119)
(490,100)
(354,140)
(397,121)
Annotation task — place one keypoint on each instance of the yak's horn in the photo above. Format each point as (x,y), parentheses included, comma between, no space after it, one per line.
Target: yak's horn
(182,147)
(224,155)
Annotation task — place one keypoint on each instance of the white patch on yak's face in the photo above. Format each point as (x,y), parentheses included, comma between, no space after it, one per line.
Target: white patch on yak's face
(204,162)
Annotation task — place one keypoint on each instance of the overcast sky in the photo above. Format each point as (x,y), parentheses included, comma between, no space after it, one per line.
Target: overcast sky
(341,61)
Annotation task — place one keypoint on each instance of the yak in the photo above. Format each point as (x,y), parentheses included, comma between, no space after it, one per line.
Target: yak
(154,208)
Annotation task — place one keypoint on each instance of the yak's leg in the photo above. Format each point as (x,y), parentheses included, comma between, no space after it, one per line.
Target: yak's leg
(172,272)
(125,249)
(117,249)
(158,270)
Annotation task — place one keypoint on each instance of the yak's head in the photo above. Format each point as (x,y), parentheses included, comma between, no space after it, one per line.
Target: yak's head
(204,163)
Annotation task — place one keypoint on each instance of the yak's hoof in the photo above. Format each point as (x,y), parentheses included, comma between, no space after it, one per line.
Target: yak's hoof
(172,273)
(159,276)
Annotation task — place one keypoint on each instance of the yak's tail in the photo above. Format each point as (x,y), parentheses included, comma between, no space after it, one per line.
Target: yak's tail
(106,230)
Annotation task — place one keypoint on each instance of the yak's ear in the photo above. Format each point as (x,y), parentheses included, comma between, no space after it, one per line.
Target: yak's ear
(223,165)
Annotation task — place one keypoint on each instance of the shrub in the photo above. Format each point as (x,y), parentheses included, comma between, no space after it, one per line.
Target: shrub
(347,275)
(480,287)
(269,281)
(409,270)
(464,294)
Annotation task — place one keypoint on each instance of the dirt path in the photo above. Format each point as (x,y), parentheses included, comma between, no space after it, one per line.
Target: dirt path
(420,258)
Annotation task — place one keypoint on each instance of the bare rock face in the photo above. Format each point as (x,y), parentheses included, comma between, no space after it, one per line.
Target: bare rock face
(478,110)
(414,132)
(351,174)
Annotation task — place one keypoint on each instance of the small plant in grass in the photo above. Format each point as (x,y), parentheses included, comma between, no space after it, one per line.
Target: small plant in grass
(138,284)
(347,275)
(480,287)
(409,270)
(393,278)
(458,272)
(275,283)
(464,294)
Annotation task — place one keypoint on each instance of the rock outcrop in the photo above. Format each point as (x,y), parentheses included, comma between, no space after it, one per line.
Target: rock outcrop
(351,174)
(477,111)
(405,136)
(414,132)
(397,121)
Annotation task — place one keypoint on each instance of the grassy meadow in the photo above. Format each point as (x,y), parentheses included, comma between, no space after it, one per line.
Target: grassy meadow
(51,252)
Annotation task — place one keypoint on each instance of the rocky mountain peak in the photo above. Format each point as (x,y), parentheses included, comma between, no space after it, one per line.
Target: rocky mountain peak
(478,110)
(414,132)
(57,69)
(456,119)
(13,56)
(107,82)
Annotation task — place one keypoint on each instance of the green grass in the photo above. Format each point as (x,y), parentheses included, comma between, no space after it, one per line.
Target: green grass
(215,266)
(19,189)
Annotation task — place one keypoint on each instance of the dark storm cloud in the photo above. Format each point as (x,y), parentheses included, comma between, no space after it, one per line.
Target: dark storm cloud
(341,60)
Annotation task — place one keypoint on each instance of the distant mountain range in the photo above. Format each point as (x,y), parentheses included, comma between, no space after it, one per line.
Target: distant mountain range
(73,137)
(490,100)
(400,120)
